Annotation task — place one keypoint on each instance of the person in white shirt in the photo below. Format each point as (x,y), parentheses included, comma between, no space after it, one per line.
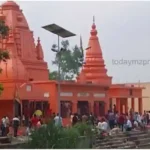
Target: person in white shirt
(7,125)
(4,122)
(139,118)
(23,120)
(128,125)
(99,126)
(58,120)
(135,124)
(3,126)
(71,118)
(104,126)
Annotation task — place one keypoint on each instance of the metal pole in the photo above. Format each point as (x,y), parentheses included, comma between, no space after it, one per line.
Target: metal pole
(58,79)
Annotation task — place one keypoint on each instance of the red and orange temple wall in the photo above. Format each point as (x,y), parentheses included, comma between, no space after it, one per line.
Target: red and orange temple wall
(27,85)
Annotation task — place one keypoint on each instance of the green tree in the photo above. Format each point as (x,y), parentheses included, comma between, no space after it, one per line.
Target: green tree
(53,75)
(4,55)
(70,60)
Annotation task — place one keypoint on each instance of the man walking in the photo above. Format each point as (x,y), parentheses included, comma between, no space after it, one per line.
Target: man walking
(58,120)
(16,122)
(3,126)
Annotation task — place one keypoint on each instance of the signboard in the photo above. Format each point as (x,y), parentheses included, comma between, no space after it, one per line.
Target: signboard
(66,94)
(99,95)
(83,94)
(28,88)
(46,94)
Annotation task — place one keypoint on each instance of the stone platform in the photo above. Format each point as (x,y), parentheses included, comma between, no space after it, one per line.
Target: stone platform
(126,140)
(12,142)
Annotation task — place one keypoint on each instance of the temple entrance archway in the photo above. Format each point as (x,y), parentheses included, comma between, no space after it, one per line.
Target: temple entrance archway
(83,107)
(99,108)
(29,107)
(17,108)
(66,109)
(123,106)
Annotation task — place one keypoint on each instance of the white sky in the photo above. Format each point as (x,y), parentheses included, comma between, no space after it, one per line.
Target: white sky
(123,30)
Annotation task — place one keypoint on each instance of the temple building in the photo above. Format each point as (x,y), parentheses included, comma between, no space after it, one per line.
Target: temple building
(27,86)
(25,64)
(145,93)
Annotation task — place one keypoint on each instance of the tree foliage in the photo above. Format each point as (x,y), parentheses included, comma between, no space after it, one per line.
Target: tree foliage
(4,55)
(53,75)
(70,61)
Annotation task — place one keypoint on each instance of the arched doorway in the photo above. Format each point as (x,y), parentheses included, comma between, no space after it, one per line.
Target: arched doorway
(99,108)
(83,107)
(17,108)
(102,108)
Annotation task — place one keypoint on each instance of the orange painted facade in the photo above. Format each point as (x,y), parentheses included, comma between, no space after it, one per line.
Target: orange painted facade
(25,75)
(25,64)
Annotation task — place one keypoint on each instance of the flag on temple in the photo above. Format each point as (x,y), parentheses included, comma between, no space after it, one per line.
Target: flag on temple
(139,83)
(81,47)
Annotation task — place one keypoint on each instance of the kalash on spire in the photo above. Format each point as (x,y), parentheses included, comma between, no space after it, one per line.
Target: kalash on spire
(94,70)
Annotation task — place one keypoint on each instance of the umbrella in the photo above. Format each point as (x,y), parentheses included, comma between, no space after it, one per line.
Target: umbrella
(38,113)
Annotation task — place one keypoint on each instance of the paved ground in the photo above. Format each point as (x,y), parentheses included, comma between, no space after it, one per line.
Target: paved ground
(20,139)
(21,135)
(21,131)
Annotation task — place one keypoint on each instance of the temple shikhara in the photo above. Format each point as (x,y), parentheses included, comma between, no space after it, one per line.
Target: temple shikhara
(27,87)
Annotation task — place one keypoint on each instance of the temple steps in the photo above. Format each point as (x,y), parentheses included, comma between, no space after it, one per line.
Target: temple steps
(5,139)
(125,137)
(132,139)
(12,142)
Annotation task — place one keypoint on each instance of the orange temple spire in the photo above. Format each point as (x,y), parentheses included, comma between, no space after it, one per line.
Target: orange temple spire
(94,68)
(25,55)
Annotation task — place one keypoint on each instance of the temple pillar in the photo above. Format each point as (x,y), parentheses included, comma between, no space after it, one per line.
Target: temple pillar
(91,107)
(126,105)
(107,106)
(118,105)
(74,107)
(132,104)
(140,105)
(96,108)
(110,104)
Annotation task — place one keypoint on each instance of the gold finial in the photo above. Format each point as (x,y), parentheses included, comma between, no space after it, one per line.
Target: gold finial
(93,19)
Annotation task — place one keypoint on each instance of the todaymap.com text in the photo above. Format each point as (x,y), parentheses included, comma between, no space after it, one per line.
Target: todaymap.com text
(126,62)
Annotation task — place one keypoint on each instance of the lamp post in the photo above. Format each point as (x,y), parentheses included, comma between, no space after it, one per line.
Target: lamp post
(60,32)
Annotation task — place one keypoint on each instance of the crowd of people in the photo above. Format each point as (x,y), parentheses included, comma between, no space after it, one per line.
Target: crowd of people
(114,121)
(111,121)
(16,122)
(6,123)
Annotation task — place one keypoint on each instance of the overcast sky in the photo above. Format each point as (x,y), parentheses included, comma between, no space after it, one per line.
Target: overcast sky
(123,30)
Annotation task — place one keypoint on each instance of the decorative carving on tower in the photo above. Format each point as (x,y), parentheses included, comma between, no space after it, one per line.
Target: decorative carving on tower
(39,50)
(26,58)
(18,42)
(93,69)
(10,36)
(2,16)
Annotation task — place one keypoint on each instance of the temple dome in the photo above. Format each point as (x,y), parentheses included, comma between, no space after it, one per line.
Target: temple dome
(10,4)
